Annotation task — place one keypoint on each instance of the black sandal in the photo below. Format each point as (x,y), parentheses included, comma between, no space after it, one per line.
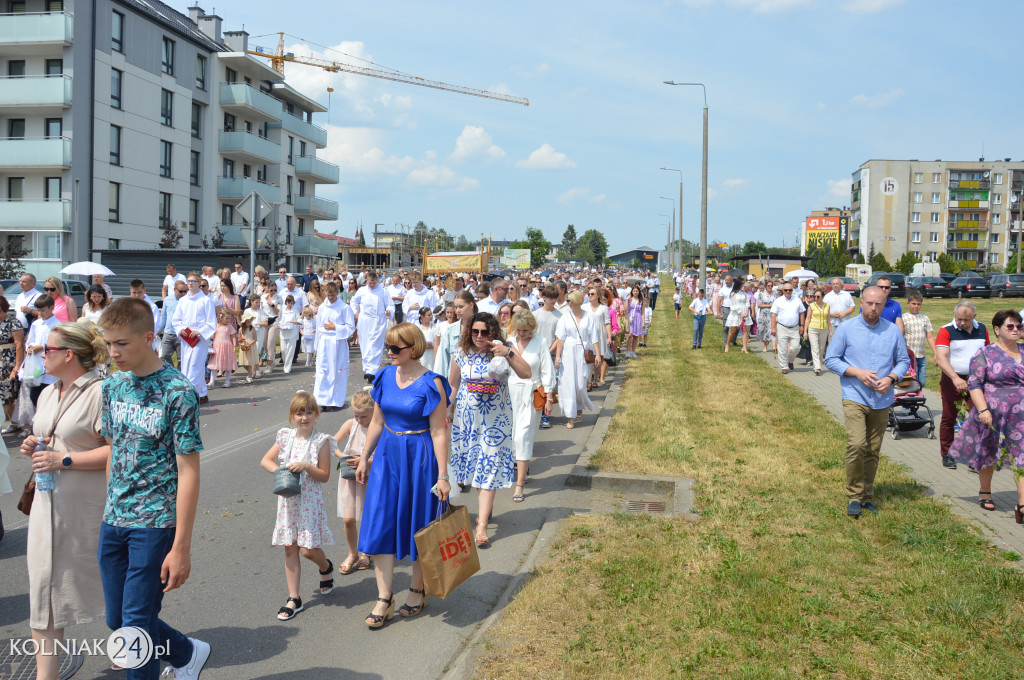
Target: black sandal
(327,583)
(288,613)
(375,621)
(407,611)
(986,503)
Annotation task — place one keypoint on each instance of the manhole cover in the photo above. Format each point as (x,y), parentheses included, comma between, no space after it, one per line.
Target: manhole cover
(15,665)
(650,507)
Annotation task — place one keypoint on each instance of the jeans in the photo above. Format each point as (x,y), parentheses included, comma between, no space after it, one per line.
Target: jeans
(698,329)
(654,298)
(922,367)
(399,313)
(130,560)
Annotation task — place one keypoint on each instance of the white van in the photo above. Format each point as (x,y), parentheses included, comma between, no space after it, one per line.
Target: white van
(926,269)
(859,272)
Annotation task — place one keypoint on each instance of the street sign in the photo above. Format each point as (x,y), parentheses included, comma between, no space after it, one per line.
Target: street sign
(253,208)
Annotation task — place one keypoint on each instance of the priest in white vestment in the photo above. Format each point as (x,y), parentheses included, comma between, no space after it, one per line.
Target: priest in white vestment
(371,306)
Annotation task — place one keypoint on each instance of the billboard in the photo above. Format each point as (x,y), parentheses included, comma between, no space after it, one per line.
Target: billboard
(517,258)
(821,232)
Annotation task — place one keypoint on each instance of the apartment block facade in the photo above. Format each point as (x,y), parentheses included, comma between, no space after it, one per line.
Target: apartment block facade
(121,118)
(968,209)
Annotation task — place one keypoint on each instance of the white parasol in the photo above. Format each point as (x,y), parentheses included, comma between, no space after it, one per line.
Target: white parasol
(86,269)
(801,274)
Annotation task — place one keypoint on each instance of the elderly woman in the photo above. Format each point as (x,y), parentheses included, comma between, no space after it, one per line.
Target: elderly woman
(504,314)
(525,417)
(763,300)
(12,353)
(64,525)
(64,308)
(575,332)
(991,435)
(481,412)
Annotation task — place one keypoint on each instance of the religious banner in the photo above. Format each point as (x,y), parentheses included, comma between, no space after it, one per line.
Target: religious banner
(466,261)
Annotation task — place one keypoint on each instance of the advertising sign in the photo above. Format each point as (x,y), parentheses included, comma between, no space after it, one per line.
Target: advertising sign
(822,231)
(517,258)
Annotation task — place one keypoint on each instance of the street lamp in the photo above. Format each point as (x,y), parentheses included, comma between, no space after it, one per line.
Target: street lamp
(680,262)
(670,232)
(673,219)
(703,189)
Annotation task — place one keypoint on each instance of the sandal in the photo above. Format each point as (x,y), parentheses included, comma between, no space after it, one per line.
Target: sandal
(1018,513)
(375,621)
(287,613)
(518,497)
(481,540)
(327,584)
(364,562)
(347,567)
(407,611)
(569,425)
(986,503)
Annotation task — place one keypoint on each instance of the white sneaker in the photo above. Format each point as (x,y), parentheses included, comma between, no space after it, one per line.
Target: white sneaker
(257,374)
(200,653)
(227,382)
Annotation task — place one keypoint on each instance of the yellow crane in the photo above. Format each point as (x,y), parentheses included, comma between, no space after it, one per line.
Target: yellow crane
(279,57)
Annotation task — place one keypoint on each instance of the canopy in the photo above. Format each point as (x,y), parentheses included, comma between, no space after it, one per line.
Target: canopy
(453,261)
(802,274)
(635,279)
(86,269)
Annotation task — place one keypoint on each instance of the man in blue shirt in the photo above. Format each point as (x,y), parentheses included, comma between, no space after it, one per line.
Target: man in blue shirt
(870,356)
(891,312)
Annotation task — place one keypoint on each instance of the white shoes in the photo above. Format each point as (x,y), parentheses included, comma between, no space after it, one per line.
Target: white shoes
(200,653)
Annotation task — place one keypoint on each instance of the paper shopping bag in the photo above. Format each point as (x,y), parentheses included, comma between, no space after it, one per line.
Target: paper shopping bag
(447,553)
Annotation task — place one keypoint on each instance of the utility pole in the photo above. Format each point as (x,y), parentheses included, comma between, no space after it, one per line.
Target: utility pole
(702,276)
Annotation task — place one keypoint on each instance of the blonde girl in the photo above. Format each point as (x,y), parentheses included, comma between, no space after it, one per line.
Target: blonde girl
(309,334)
(350,439)
(301,525)
(247,356)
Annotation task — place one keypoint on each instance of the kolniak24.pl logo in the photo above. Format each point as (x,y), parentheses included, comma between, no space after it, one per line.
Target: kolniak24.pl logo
(128,647)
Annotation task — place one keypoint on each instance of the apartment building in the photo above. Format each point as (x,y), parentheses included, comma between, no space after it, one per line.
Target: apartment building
(125,119)
(967,209)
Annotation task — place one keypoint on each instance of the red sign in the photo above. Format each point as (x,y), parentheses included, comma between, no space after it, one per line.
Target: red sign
(822,224)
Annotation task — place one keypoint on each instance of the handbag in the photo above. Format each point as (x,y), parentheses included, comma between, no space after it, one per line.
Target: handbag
(540,398)
(346,471)
(447,552)
(588,354)
(286,482)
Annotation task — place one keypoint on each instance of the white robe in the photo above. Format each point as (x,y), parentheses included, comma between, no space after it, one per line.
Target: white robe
(198,313)
(525,418)
(373,308)
(572,377)
(330,386)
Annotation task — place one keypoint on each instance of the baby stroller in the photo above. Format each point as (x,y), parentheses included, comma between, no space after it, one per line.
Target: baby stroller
(905,413)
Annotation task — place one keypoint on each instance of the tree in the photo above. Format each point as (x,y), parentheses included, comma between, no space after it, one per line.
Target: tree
(214,240)
(570,242)
(462,243)
(753,248)
(170,236)
(538,246)
(10,258)
(877,260)
(948,264)
(1011,265)
(273,243)
(906,263)
(583,252)
(594,240)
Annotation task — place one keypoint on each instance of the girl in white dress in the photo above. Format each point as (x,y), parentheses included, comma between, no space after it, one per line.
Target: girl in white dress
(426,324)
(574,333)
(738,312)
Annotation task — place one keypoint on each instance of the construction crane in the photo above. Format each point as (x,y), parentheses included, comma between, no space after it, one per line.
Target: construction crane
(279,57)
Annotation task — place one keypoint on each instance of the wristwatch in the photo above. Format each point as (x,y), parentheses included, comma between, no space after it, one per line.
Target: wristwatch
(66,462)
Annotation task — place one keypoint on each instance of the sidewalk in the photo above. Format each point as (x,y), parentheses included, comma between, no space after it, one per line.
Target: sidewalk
(920,455)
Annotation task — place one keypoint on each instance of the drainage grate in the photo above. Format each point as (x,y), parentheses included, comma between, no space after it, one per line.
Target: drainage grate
(22,667)
(650,507)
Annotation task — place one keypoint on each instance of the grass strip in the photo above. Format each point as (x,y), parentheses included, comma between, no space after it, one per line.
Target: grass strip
(774,581)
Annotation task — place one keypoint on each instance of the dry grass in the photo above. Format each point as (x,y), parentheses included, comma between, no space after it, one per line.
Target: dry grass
(773,581)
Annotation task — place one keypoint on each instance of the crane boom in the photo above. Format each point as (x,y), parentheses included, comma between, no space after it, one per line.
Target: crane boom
(278,57)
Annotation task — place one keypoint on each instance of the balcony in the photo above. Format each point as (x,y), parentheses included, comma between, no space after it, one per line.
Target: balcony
(36,153)
(237,188)
(24,30)
(967,245)
(963,205)
(316,170)
(45,92)
(248,148)
(968,225)
(298,126)
(235,235)
(250,103)
(970,184)
(35,215)
(316,208)
(314,245)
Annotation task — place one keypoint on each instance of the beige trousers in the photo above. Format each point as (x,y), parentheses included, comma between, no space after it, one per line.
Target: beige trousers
(864,430)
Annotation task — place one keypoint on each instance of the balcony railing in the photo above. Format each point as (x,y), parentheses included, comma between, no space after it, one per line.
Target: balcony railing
(252,103)
(972,225)
(237,188)
(35,91)
(235,235)
(321,172)
(35,152)
(35,215)
(969,184)
(316,208)
(968,245)
(41,28)
(962,205)
(249,147)
(300,127)
(314,245)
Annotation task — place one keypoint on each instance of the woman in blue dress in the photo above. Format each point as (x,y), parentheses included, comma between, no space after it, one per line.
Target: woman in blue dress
(481,414)
(407,444)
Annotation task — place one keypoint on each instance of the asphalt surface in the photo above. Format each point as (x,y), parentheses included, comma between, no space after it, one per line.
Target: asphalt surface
(237,582)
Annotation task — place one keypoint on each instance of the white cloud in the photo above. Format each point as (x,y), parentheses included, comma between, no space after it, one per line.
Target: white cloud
(500,88)
(360,151)
(821,106)
(758,6)
(712,194)
(475,144)
(837,192)
(871,6)
(734,183)
(546,158)
(441,177)
(877,101)
(578,194)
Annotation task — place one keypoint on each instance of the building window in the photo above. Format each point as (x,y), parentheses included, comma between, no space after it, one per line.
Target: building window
(997,218)
(934,237)
(995,238)
(15,188)
(16,7)
(936,197)
(193,173)
(117,32)
(302,148)
(114,243)
(936,178)
(54,128)
(193,216)
(48,246)
(288,190)
(166,107)
(165,158)
(936,218)
(291,148)
(230,75)
(302,227)
(918,177)
(51,188)
(197,120)
(16,68)
(227,214)
(115,145)
(54,68)
(997,178)
(164,210)
(200,72)
(167,57)
(915,217)
(114,206)
(997,199)
(287,228)
(915,237)
(993,258)
(229,122)
(115,88)
(917,197)
(229,169)
(302,187)
(16,128)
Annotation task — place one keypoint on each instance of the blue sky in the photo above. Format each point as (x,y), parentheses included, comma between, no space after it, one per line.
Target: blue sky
(800,93)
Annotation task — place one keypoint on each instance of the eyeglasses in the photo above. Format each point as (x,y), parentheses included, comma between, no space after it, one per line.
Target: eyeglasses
(485,332)
(191,281)
(787,290)
(49,289)
(204,284)
(1014,326)
(886,287)
(47,348)
(395,349)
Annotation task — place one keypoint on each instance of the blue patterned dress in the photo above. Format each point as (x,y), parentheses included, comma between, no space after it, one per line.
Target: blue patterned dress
(482,452)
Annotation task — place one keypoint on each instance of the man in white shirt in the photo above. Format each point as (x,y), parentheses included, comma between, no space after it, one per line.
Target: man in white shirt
(24,304)
(282,279)
(169,280)
(211,279)
(396,291)
(787,319)
(499,291)
(195,312)
(840,303)
(419,297)
(372,309)
(240,280)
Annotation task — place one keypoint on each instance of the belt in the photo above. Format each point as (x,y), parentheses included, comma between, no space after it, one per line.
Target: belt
(785,326)
(482,387)
(407,432)
(7,345)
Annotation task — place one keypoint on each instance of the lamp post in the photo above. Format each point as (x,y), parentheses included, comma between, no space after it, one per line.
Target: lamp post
(703,190)
(680,260)
(673,216)
(670,232)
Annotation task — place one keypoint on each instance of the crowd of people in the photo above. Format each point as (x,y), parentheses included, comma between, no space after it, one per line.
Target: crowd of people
(462,372)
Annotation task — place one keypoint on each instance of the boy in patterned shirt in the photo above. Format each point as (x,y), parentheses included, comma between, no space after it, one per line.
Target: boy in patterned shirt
(151,421)
(917,329)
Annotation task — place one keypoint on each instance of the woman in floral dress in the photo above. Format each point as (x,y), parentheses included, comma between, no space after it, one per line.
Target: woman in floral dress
(12,353)
(764,300)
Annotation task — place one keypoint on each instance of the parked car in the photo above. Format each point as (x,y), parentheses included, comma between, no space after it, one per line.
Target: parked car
(76,290)
(899,283)
(948,277)
(970,286)
(929,286)
(850,286)
(1007,285)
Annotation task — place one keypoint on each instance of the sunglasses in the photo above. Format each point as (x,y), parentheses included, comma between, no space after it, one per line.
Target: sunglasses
(395,349)
(47,348)
(886,287)
(486,332)
(1014,326)
(49,289)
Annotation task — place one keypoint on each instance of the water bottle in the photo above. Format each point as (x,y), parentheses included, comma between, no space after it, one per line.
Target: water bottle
(44,479)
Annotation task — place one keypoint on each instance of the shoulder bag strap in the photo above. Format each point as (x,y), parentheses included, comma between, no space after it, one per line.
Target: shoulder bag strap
(575,323)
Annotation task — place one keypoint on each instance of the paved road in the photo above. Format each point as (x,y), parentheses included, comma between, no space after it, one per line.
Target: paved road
(237,582)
